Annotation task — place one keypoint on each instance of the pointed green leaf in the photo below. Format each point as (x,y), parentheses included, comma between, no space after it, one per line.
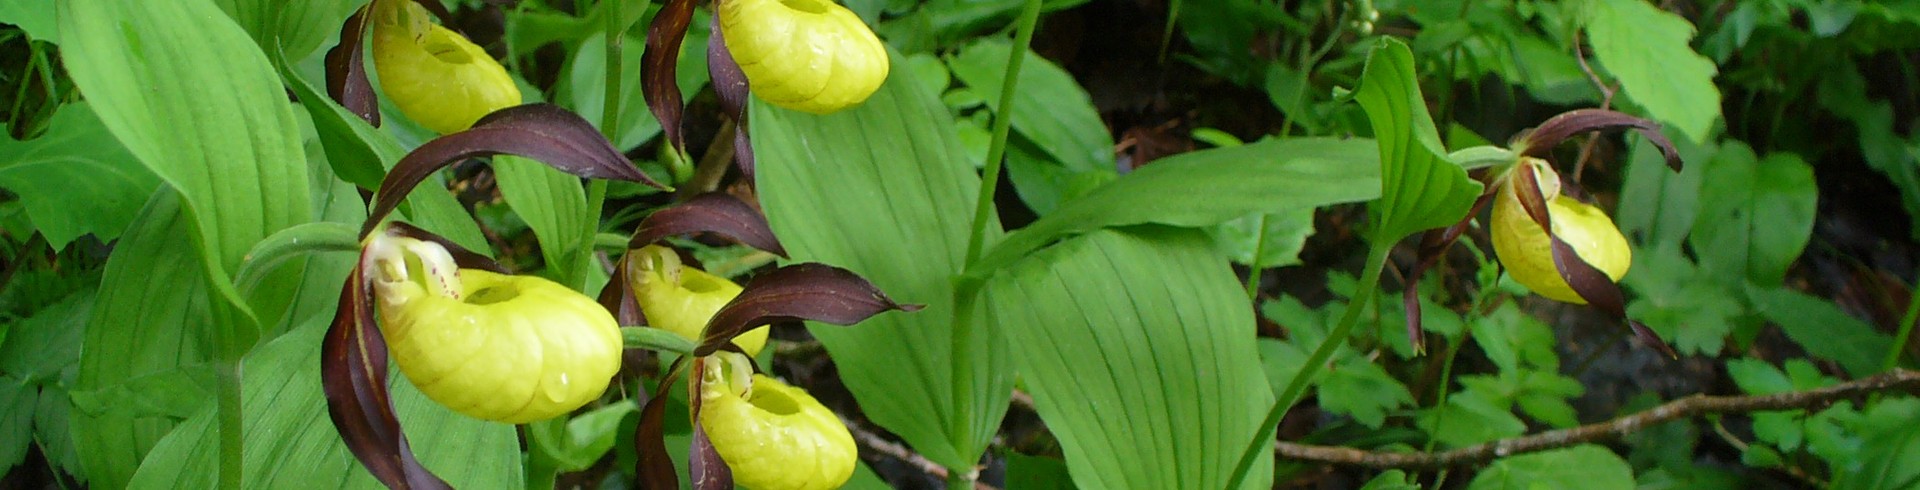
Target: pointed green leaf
(1420,188)
(291,444)
(1146,326)
(143,324)
(76,179)
(1757,215)
(555,206)
(1049,108)
(36,17)
(1583,466)
(882,189)
(297,27)
(1823,328)
(1265,177)
(1647,49)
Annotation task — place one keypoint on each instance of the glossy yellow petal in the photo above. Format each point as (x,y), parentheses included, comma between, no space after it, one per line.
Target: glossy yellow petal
(807,55)
(512,349)
(1527,252)
(434,75)
(682,299)
(777,437)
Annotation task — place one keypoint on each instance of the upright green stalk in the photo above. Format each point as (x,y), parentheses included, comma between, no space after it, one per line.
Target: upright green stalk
(227,408)
(1906,332)
(1263,439)
(963,322)
(1254,266)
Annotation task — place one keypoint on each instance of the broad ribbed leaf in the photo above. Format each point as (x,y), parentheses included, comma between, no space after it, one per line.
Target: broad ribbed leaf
(142,329)
(1646,48)
(1137,346)
(1265,177)
(1049,108)
(714,212)
(806,291)
(297,27)
(235,158)
(290,444)
(883,190)
(1420,188)
(76,179)
(554,205)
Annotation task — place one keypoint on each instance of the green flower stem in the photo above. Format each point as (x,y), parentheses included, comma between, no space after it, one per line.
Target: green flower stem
(965,294)
(227,406)
(1253,266)
(1906,332)
(1357,302)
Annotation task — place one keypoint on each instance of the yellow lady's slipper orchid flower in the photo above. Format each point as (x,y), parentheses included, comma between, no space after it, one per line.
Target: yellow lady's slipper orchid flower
(773,436)
(436,76)
(807,55)
(681,299)
(1527,252)
(512,349)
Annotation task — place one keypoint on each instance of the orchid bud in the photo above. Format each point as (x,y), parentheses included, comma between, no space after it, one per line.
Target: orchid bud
(512,349)
(773,436)
(682,299)
(434,75)
(807,55)
(1527,251)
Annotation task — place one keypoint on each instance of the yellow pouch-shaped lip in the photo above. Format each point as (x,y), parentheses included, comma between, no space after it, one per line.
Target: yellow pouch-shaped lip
(776,437)
(807,55)
(682,299)
(434,75)
(1527,252)
(512,349)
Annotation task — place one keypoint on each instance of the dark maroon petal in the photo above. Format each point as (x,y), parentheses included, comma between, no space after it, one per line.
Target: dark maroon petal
(659,63)
(1571,123)
(1433,245)
(731,85)
(347,69)
(1586,280)
(353,374)
(655,466)
(708,471)
(617,298)
(466,259)
(713,212)
(805,291)
(543,132)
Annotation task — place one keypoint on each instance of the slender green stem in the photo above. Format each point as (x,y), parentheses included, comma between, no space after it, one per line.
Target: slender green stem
(1253,265)
(227,406)
(965,293)
(1906,332)
(1263,439)
(1002,122)
(609,127)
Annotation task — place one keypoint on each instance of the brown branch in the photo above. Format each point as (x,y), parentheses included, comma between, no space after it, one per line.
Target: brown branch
(1606,101)
(883,446)
(1899,379)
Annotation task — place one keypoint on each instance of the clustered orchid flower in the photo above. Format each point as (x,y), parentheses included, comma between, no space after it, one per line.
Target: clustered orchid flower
(1548,240)
(518,349)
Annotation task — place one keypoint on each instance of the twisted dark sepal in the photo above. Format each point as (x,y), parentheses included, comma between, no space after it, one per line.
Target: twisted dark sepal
(658,65)
(353,367)
(466,259)
(654,467)
(704,465)
(805,291)
(347,80)
(1586,280)
(1433,245)
(544,132)
(731,85)
(1568,124)
(713,212)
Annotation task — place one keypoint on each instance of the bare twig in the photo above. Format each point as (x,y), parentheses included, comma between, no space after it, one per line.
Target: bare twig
(883,446)
(1606,101)
(712,166)
(1896,380)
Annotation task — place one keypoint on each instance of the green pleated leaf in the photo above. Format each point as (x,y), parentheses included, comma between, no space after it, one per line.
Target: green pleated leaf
(290,443)
(235,158)
(1646,48)
(141,332)
(1420,188)
(76,179)
(1756,216)
(1049,108)
(1264,177)
(555,206)
(883,190)
(296,27)
(36,17)
(1138,349)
